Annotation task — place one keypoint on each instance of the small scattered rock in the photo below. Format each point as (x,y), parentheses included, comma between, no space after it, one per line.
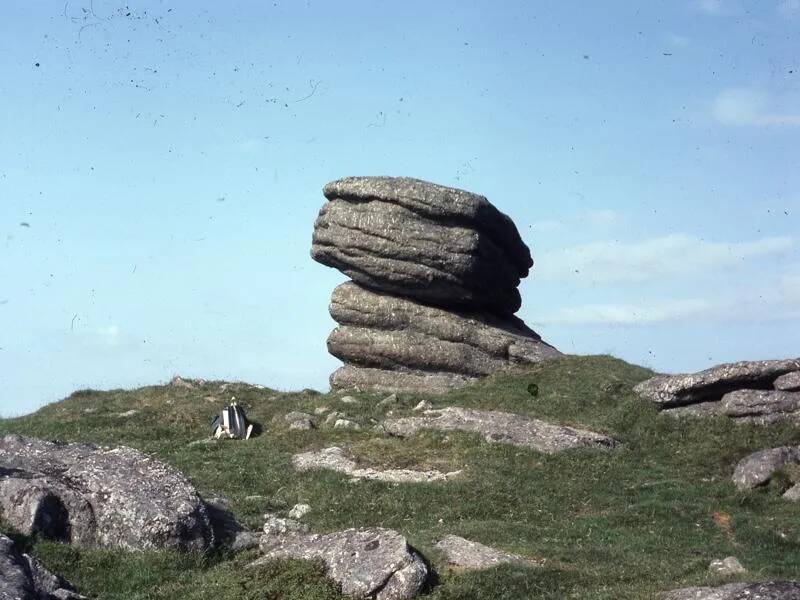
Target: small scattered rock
(461,553)
(299,511)
(764,590)
(758,468)
(793,493)
(321,410)
(333,416)
(727,566)
(335,459)
(368,562)
(348,400)
(423,405)
(501,427)
(390,400)
(789,382)
(128,413)
(296,415)
(346,424)
(299,420)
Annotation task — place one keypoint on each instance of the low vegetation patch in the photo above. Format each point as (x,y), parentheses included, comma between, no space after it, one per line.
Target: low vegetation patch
(629,522)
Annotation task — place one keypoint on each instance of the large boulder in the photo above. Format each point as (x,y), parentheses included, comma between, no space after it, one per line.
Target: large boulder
(367,562)
(414,238)
(501,427)
(407,338)
(24,578)
(99,497)
(712,384)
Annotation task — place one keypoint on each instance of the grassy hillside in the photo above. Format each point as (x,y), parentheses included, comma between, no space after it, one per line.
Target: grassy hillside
(626,523)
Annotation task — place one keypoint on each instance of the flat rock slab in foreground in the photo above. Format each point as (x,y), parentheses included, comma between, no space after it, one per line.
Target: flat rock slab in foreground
(501,427)
(24,578)
(368,562)
(711,384)
(766,590)
(335,459)
(95,496)
(465,554)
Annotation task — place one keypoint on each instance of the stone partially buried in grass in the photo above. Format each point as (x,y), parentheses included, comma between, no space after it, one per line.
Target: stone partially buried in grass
(99,497)
(501,427)
(367,562)
(335,459)
(460,553)
(760,467)
(764,590)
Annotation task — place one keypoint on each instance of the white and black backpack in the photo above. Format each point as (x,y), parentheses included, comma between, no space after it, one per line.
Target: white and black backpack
(231,422)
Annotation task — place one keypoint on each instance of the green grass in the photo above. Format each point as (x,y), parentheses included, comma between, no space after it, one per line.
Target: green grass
(628,523)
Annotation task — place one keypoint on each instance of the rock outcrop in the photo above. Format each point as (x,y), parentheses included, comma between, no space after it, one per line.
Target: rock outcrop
(765,590)
(99,497)
(501,427)
(367,562)
(756,391)
(24,578)
(435,272)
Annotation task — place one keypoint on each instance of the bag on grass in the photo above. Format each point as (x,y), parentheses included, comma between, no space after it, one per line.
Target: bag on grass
(231,422)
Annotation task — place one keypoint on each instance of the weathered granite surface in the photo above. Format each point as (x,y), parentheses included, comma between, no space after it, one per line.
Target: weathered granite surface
(367,562)
(711,384)
(501,427)
(765,590)
(94,496)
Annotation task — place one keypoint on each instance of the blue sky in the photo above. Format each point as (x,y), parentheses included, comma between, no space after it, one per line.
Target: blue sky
(161,166)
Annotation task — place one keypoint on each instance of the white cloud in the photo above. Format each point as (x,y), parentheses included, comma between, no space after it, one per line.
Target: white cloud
(551,225)
(109,334)
(746,106)
(711,7)
(603,216)
(670,256)
(628,314)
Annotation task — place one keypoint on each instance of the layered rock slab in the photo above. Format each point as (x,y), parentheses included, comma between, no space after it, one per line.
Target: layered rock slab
(712,384)
(407,338)
(367,562)
(501,427)
(24,578)
(414,238)
(99,497)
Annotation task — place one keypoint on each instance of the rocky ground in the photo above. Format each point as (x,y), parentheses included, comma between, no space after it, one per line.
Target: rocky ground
(554,482)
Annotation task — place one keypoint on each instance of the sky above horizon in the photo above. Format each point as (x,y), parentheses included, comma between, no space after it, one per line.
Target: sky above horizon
(161,167)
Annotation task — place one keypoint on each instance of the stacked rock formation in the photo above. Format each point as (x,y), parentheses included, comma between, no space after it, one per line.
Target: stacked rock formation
(434,272)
